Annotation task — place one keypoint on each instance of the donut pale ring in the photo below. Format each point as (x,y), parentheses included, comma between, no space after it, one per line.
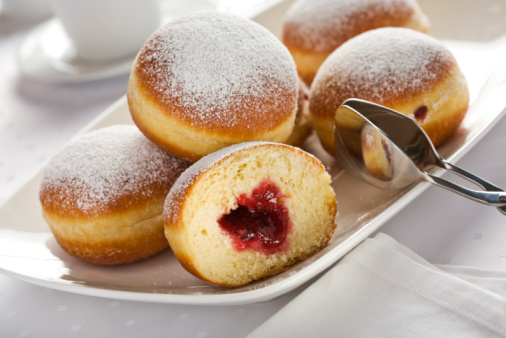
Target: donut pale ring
(248,211)
(312,29)
(209,79)
(399,68)
(102,195)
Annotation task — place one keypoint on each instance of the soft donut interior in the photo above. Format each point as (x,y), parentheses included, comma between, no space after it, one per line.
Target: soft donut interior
(278,183)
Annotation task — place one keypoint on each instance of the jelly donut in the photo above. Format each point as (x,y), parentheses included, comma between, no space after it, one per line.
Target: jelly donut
(103,194)
(302,126)
(210,79)
(249,211)
(399,68)
(312,29)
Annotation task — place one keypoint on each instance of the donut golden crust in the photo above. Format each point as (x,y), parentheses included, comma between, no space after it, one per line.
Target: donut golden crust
(102,195)
(312,29)
(399,68)
(249,211)
(209,79)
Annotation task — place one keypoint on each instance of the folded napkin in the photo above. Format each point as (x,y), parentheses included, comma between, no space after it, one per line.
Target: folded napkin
(383,289)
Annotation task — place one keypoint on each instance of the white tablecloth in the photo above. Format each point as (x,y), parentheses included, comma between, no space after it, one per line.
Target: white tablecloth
(36,119)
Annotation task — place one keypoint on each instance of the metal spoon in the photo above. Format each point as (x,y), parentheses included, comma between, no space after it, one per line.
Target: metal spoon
(390,151)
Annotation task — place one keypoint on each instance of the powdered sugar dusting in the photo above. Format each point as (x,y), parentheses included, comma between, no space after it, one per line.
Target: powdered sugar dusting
(216,69)
(103,169)
(322,25)
(380,65)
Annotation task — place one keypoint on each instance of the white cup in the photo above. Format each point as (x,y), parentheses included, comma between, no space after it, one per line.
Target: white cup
(102,30)
(26,9)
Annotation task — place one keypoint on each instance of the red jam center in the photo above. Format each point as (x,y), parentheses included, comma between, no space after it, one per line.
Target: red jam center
(260,222)
(421,113)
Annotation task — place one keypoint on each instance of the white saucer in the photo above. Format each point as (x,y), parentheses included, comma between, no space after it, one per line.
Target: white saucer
(48,55)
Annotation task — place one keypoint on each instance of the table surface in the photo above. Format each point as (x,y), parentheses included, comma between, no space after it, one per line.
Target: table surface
(36,119)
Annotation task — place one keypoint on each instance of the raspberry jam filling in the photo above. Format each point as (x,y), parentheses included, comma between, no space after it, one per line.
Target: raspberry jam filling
(260,221)
(421,113)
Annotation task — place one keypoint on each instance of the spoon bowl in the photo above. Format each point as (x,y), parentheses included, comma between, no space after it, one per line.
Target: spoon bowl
(389,150)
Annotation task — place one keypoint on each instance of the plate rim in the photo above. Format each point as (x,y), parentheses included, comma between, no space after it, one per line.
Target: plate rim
(280,287)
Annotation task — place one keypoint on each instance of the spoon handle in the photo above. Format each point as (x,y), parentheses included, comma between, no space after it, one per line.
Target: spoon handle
(472,178)
(494,198)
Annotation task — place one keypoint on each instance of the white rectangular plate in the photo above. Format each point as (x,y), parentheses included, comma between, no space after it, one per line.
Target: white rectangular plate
(28,250)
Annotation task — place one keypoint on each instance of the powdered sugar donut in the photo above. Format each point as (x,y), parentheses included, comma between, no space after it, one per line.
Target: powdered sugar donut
(102,195)
(312,29)
(399,68)
(209,79)
(248,211)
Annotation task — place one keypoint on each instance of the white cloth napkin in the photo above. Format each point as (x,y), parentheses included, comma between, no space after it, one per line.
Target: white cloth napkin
(383,289)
